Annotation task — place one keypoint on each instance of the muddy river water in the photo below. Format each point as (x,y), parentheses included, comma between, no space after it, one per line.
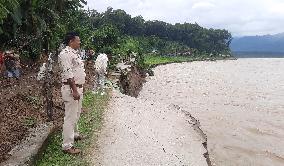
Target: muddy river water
(239,103)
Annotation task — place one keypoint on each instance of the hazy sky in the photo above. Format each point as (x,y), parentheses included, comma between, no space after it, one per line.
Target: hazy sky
(240,17)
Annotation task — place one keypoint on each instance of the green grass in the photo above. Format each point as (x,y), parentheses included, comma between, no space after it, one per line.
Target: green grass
(156,60)
(89,122)
(153,60)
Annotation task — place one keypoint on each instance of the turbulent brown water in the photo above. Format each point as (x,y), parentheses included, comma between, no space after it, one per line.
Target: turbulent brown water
(239,104)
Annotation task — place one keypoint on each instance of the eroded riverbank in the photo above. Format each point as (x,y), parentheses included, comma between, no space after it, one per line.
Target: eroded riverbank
(239,105)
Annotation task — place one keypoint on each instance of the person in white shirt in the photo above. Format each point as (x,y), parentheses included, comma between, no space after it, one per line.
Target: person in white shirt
(73,78)
(101,71)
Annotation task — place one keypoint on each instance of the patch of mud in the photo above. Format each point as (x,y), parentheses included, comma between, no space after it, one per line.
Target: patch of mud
(131,82)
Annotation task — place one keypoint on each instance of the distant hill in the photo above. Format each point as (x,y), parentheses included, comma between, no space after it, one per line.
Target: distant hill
(259,44)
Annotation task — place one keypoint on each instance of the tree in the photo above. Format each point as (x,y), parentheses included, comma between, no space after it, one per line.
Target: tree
(7,7)
(33,22)
(32,25)
(105,37)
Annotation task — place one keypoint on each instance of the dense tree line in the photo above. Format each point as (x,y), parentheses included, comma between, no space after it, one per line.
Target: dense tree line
(191,35)
(36,25)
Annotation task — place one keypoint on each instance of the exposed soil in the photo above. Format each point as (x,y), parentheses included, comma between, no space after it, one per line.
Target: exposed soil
(131,83)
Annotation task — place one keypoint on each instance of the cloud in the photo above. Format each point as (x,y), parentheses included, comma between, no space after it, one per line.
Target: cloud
(203,6)
(241,17)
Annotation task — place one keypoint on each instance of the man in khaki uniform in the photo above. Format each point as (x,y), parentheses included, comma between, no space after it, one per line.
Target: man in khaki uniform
(73,77)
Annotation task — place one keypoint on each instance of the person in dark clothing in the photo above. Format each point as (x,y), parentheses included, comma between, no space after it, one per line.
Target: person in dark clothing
(12,64)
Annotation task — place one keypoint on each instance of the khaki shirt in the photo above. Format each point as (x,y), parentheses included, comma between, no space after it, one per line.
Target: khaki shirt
(71,65)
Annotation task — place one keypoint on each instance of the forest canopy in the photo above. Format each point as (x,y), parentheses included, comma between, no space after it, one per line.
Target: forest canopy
(32,26)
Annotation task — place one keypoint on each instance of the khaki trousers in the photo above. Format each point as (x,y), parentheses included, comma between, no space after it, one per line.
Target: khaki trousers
(72,115)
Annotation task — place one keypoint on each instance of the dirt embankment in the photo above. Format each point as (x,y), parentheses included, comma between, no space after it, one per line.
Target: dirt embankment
(131,82)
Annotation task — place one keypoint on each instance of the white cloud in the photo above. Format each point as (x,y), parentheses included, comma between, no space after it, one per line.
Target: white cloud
(241,17)
(203,6)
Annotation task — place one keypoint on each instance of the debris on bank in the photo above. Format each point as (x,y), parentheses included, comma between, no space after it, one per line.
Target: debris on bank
(129,79)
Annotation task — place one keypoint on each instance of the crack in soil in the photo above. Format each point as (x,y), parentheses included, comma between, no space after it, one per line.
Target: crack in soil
(196,126)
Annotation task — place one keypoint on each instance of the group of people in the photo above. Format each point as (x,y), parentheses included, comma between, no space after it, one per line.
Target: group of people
(10,64)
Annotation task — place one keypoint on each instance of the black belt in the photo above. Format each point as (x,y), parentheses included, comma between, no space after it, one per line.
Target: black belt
(78,85)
